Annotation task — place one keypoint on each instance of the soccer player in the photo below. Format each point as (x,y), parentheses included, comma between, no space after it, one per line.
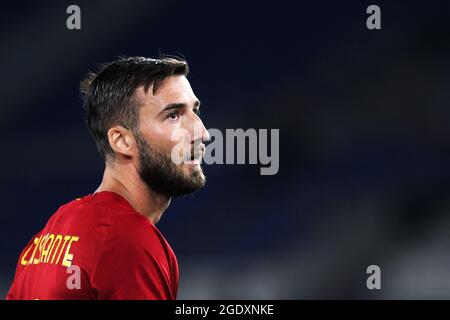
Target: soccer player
(105,245)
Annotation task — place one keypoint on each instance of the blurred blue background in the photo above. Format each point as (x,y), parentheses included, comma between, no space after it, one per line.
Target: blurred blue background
(364,123)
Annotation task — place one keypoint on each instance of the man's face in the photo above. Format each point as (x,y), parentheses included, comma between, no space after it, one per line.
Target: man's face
(170,139)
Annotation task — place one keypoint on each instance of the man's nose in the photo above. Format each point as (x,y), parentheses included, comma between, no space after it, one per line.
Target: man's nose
(200,132)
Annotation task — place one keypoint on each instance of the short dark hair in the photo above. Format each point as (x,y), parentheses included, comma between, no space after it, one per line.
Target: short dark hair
(108,94)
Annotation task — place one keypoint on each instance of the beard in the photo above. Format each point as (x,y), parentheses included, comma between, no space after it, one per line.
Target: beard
(162,175)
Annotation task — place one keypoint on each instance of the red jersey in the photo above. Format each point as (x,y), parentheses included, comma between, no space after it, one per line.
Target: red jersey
(97,247)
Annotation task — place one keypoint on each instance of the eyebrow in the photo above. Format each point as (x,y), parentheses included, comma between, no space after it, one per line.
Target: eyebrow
(175,106)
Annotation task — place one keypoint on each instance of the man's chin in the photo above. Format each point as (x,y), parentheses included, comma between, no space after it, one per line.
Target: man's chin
(192,166)
(195,182)
(196,174)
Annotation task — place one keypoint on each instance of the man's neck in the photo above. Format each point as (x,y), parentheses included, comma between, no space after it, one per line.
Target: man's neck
(124,180)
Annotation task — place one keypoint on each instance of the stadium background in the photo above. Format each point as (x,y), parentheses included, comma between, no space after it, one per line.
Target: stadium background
(364,123)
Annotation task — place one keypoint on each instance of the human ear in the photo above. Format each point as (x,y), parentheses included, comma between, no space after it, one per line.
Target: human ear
(121,141)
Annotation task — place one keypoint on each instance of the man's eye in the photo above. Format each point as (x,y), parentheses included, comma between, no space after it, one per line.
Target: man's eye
(174,115)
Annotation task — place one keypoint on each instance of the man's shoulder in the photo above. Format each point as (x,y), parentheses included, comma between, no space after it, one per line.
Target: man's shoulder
(94,206)
(123,222)
(90,216)
(102,201)
(110,215)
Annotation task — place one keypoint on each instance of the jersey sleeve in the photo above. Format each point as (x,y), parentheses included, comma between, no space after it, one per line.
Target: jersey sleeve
(132,263)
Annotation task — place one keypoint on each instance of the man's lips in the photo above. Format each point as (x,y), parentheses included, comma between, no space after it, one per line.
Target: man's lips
(196,158)
(193,162)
